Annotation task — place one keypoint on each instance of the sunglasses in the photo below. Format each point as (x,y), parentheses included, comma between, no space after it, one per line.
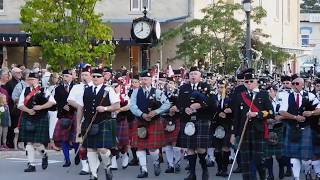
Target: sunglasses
(247,81)
(97,76)
(295,83)
(286,83)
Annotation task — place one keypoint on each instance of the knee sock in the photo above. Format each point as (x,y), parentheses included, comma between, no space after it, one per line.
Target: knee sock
(106,159)
(93,162)
(65,149)
(75,147)
(42,150)
(218,156)
(192,163)
(225,160)
(142,156)
(30,154)
(296,167)
(169,155)
(269,165)
(124,159)
(316,167)
(155,156)
(177,155)
(114,163)
(202,160)
(211,156)
(307,166)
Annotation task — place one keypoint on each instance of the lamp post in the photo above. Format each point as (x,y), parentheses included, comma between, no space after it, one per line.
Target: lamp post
(247,8)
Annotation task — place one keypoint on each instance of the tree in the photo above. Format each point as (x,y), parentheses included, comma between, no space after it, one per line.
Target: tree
(66,30)
(310,6)
(218,35)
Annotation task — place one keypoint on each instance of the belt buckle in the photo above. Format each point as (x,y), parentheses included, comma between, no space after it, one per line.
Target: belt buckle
(193,118)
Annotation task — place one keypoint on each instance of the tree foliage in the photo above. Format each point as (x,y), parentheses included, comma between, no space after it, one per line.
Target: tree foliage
(66,29)
(310,6)
(218,36)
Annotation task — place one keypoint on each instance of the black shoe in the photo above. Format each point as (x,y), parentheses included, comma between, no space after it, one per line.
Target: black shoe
(210,164)
(224,174)
(134,162)
(281,173)
(288,172)
(219,173)
(83,173)
(169,170)
(44,164)
(238,170)
(66,164)
(30,168)
(157,169)
(77,160)
(160,160)
(177,168)
(187,168)
(270,177)
(114,169)
(205,174)
(143,174)
(109,174)
(93,178)
(309,176)
(191,177)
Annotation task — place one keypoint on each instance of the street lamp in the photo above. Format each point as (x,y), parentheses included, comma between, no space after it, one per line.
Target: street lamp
(247,8)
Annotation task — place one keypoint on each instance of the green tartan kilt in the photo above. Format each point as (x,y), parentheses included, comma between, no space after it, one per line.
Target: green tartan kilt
(275,149)
(106,138)
(41,133)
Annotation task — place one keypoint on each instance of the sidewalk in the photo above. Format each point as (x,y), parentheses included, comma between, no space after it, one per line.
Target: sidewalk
(13,153)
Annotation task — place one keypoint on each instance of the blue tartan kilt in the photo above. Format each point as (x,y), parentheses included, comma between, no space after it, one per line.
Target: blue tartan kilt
(316,143)
(106,138)
(41,133)
(202,137)
(303,149)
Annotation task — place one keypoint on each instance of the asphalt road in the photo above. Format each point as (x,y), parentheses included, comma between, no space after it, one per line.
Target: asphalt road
(12,164)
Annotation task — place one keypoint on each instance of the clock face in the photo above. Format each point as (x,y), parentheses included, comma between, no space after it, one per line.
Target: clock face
(142,29)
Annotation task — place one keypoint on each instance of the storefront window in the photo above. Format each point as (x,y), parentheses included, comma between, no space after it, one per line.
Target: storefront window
(1,5)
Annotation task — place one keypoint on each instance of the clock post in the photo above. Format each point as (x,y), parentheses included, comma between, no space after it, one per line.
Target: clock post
(146,33)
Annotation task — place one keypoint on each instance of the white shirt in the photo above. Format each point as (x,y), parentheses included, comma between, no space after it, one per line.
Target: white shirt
(21,98)
(76,93)
(113,97)
(312,98)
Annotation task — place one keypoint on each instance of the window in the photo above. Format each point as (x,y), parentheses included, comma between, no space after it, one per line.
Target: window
(138,5)
(1,6)
(277,9)
(289,10)
(260,3)
(305,40)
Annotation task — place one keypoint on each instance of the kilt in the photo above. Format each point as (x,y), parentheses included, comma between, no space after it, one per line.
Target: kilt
(277,149)
(41,133)
(172,137)
(301,150)
(106,138)
(156,138)
(224,142)
(252,149)
(315,143)
(201,139)
(122,131)
(68,135)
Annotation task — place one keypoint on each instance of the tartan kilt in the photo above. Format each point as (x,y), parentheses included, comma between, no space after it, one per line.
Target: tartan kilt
(106,138)
(301,150)
(156,138)
(277,149)
(315,143)
(201,139)
(224,142)
(122,131)
(41,134)
(172,137)
(68,135)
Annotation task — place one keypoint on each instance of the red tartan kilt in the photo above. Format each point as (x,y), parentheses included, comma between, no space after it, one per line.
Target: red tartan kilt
(131,129)
(172,137)
(68,135)
(122,131)
(156,135)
